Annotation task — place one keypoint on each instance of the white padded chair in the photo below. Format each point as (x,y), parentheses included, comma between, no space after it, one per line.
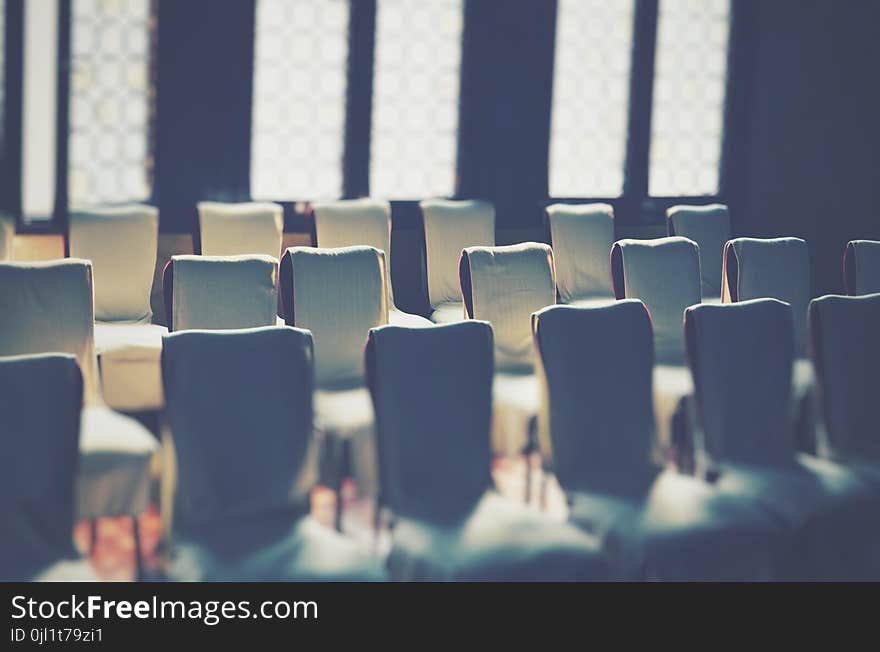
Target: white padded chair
(597,428)
(450,227)
(121,242)
(38,468)
(48,308)
(432,388)
(582,235)
(240,408)
(7,237)
(709,227)
(362,222)
(778,268)
(233,229)
(861,267)
(665,275)
(220,292)
(741,355)
(504,286)
(845,336)
(339,295)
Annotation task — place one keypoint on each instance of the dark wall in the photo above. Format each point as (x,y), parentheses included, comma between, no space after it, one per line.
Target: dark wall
(812,162)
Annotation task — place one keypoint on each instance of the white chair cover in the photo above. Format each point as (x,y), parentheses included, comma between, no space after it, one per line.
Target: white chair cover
(240,409)
(450,227)
(665,275)
(48,307)
(121,242)
(861,267)
(7,237)
(362,222)
(845,335)
(432,392)
(709,227)
(339,295)
(597,426)
(38,466)
(504,286)
(232,229)
(741,356)
(221,292)
(582,235)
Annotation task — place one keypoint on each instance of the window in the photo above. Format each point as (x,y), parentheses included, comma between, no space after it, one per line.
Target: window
(590,97)
(415,98)
(689,84)
(110,158)
(298,123)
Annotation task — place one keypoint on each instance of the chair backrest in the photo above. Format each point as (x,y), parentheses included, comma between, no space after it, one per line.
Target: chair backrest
(597,417)
(47,307)
(7,237)
(353,223)
(40,401)
(339,295)
(582,235)
(861,267)
(777,268)
(231,229)
(432,393)
(665,275)
(845,336)
(121,242)
(741,359)
(220,292)
(709,227)
(239,404)
(504,286)
(450,227)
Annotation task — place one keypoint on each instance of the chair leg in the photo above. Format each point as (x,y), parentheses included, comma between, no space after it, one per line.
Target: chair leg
(138,553)
(93,536)
(344,471)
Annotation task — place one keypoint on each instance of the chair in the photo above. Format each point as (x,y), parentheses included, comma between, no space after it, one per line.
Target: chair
(845,336)
(450,227)
(48,308)
(861,267)
(240,409)
(432,388)
(709,227)
(232,229)
(582,235)
(741,356)
(339,295)
(220,292)
(597,429)
(665,275)
(121,242)
(504,286)
(362,222)
(38,467)
(779,269)
(7,237)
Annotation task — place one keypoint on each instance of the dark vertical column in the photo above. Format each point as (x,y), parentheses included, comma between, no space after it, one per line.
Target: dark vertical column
(359,98)
(634,205)
(62,119)
(205,80)
(10,163)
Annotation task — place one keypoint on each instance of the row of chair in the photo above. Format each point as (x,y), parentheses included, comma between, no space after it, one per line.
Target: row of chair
(240,404)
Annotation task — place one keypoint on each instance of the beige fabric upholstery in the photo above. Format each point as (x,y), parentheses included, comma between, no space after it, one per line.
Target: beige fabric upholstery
(582,235)
(362,222)
(862,267)
(129,358)
(709,227)
(121,242)
(230,229)
(220,292)
(450,227)
(48,307)
(448,313)
(7,237)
